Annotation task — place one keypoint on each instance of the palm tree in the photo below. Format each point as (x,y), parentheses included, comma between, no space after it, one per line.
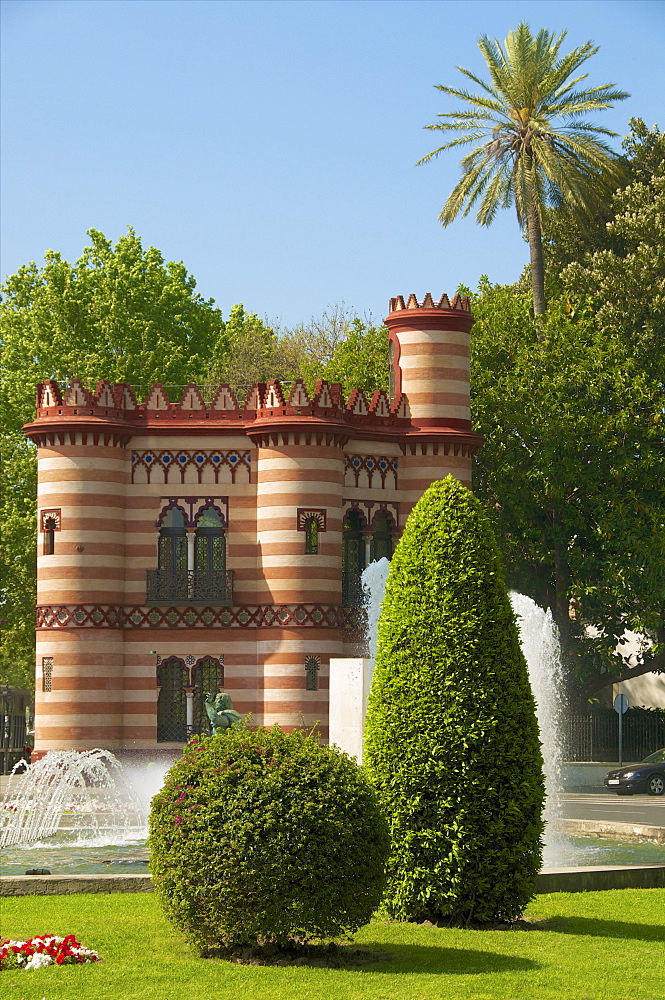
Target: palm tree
(531,148)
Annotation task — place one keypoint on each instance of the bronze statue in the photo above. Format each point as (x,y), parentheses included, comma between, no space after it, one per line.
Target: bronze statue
(221,713)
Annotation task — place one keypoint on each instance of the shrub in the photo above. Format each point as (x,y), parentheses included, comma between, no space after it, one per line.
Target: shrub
(266,837)
(451,738)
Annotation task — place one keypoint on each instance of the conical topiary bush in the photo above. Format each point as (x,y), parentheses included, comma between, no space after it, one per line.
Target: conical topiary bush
(451,737)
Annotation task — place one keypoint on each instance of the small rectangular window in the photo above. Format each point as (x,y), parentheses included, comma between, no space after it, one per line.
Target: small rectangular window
(49,540)
(312,537)
(50,523)
(311,520)
(312,667)
(47,673)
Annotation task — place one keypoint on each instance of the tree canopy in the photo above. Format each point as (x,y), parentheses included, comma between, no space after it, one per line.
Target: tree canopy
(569,236)
(571,472)
(119,313)
(530,147)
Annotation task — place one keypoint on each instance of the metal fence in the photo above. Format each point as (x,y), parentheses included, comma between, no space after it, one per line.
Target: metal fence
(595,736)
(15,708)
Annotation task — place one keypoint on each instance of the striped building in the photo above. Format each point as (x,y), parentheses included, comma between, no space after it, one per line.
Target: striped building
(217,544)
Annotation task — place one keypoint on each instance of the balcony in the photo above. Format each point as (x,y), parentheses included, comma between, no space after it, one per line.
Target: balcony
(188,587)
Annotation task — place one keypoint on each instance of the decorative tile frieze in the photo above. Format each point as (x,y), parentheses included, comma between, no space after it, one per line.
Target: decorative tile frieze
(242,616)
(173,466)
(368,470)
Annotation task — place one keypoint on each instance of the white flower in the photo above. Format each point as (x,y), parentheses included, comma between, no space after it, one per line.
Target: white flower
(39,961)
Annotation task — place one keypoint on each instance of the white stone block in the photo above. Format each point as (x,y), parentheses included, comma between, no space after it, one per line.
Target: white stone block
(350,680)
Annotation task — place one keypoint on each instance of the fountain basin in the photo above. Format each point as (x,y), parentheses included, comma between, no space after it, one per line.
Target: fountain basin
(131,857)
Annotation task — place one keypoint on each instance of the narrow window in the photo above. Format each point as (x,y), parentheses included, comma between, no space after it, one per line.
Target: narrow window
(49,539)
(209,556)
(312,667)
(382,537)
(47,673)
(50,524)
(353,558)
(311,536)
(172,678)
(173,581)
(207,678)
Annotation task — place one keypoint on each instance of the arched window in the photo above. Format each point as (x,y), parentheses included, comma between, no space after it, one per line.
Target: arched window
(207,677)
(209,554)
(172,678)
(353,558)
(382,537)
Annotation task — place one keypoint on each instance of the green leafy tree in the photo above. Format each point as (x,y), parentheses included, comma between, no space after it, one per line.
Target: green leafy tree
(530,146)
(358,361)
(625,287)
(266,837)
(569,236)
(251,352)
(119,313)
(451,738)
(570,470)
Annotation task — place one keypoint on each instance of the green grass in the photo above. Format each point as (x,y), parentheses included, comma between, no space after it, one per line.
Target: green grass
(596,946)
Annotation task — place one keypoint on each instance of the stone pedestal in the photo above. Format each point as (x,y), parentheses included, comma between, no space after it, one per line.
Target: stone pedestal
(350,681)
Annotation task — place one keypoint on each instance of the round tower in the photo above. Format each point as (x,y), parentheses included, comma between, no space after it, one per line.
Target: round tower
(82,475)
(430,367)
(299,471)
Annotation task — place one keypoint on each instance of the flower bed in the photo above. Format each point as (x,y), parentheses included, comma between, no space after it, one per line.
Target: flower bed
(39,952)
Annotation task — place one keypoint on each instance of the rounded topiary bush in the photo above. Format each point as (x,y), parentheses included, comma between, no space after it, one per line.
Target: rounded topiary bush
(266,837)
(452,740)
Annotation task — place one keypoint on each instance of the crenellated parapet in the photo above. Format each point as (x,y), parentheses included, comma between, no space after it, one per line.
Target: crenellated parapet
(116,406)
(460,303)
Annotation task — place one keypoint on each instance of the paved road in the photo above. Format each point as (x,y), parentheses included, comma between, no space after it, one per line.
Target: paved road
(646,809)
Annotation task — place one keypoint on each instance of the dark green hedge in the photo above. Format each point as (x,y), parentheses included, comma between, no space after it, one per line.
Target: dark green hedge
(451,738)
(266,837)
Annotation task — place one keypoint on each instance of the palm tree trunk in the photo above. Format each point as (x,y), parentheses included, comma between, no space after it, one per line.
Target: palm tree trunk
(536,254)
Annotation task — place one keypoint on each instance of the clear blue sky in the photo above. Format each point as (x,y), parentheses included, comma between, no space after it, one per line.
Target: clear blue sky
(270,144)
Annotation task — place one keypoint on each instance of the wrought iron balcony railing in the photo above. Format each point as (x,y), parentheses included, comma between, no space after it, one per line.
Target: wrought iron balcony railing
(212,590)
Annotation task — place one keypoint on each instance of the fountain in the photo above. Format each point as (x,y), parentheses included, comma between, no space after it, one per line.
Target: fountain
(79,813)
(86,793)
(350,681)
(539,640)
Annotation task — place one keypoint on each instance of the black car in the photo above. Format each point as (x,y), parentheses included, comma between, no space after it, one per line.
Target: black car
(649,776)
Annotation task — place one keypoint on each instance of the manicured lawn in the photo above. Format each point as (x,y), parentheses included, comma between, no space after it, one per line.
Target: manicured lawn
(596,946)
